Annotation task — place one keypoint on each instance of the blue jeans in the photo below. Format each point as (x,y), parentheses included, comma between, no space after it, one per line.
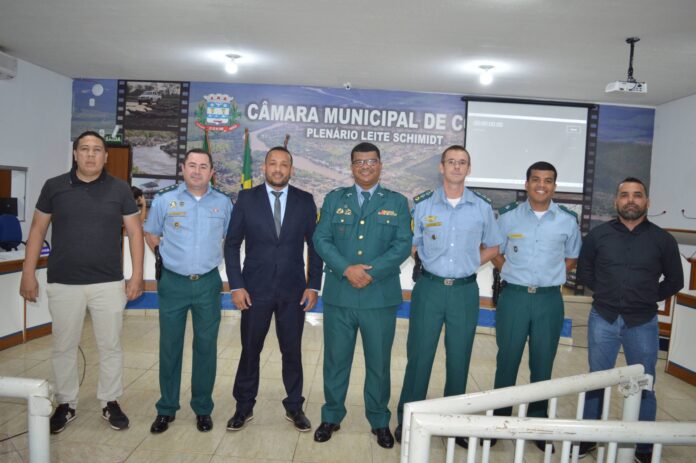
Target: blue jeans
(640,345)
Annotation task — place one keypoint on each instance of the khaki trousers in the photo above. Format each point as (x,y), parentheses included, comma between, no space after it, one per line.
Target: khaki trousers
(67,305)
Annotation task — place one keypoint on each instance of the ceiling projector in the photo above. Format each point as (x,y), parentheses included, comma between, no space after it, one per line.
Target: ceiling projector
(626,86)
(630,85)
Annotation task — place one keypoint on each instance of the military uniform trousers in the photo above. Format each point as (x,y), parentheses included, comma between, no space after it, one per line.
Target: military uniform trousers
(177,294)
(432,305)
(377,327)
(521,315)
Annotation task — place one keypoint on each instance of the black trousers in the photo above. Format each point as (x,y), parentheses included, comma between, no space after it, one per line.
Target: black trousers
(289,321)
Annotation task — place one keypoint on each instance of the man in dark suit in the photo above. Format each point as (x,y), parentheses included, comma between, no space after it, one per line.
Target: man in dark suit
(274,220)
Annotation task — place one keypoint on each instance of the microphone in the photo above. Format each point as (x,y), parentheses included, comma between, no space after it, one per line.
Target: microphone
(683,211)
(659,214)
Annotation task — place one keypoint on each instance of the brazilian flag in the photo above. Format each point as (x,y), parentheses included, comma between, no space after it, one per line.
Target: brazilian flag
(206,145)
(246,167)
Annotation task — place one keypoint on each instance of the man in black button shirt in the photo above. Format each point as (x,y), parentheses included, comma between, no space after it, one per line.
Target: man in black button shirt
(622,262)
(86,207)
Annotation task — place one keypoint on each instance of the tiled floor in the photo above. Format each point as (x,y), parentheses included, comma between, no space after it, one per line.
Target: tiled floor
(269,437)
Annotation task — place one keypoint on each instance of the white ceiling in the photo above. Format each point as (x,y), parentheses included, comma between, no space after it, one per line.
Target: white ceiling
(550,49)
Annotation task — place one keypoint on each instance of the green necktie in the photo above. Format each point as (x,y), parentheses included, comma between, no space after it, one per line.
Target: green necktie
(366,199)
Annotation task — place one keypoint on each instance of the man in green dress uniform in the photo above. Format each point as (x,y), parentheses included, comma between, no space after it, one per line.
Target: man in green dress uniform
(363,236)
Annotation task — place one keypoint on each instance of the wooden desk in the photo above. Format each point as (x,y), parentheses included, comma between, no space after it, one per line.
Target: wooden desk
(681,361)
(19,321)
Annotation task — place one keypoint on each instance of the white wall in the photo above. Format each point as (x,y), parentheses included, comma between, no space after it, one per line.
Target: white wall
(35,113)
(673,170)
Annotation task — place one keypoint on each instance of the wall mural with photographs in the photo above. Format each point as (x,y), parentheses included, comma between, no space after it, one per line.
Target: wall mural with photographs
(162,120)
(624,149)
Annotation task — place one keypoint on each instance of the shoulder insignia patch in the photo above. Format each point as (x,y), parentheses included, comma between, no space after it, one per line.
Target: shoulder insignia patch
(422,196)
(216,188)
(167,189)
(568,211)
(508,207)
(482,196)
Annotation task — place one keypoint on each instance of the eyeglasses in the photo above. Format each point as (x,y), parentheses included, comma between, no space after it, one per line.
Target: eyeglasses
(454,162)
(365,162)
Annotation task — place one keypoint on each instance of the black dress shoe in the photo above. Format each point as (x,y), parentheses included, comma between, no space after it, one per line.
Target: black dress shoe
(586,448)
(238,420)
(325,430)
(464,442)
(161,423)
(384,437)
(204,423)
(541,445)
(397,434)
(299,419)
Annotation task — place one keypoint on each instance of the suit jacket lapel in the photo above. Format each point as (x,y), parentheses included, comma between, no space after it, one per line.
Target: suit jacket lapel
(375,202)
(350,200)
(291,207)
(266,210)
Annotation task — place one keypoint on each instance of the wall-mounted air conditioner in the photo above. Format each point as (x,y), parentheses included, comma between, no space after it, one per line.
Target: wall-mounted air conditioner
(8,66)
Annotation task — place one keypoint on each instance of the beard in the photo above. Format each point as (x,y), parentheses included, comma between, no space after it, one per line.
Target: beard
(280,183)
(632,213)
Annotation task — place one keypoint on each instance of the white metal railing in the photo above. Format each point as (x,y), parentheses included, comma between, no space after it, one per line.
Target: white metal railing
(37,392)
(455,416)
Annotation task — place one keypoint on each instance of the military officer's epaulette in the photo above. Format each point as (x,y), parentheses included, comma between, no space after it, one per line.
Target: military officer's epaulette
(422,196)
(508,207)
(482,196)
(565,209)
(342,189)
(214,187)
(167,189)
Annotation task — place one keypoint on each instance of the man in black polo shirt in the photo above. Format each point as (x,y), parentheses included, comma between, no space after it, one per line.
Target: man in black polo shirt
(622,262)
(87,207)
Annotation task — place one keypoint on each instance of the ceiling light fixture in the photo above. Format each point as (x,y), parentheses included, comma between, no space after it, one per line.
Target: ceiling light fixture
(486,76)
(231,65)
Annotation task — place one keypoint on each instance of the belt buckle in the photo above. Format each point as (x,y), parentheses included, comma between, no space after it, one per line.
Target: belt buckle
(531,289)
(448,281)
(194,277)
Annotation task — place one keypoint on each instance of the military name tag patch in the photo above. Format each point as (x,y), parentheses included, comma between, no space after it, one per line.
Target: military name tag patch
(515,235)
(434,224)
(176,213)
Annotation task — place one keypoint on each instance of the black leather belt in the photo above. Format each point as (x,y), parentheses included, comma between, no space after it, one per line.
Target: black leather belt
(531,289)
(449,281)
(193,277)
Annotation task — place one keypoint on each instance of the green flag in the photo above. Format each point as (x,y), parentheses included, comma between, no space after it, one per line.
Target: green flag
(246,167)
(206,146)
